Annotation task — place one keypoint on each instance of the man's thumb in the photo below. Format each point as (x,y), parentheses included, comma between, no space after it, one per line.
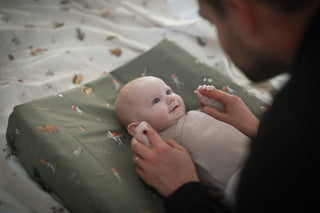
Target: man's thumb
(153,135)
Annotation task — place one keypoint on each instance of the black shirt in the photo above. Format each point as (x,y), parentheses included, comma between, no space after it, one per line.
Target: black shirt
(282,171)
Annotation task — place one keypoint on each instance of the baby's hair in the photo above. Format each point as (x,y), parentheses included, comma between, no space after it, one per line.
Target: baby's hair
(122,105)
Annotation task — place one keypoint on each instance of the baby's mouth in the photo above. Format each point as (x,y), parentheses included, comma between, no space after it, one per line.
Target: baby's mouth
(173,108)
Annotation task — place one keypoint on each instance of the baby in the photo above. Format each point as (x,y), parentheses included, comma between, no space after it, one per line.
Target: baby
(217,149)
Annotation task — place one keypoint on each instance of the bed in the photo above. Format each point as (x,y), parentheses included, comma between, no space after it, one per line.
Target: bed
(52,46)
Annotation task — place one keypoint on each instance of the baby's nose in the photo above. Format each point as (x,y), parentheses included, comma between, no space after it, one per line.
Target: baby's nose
(169,99)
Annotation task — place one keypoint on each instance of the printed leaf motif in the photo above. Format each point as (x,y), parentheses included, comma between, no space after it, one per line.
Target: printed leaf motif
(77,151)
(116,51)
(38,51)
(8,152)
(80,34)
(48,128)
(52,166)
(117,175)
(15,41)
(265,107)
(228,89)
(117,138)
(116,84)
(111,37)
(82,128)
(201,42)
(86,90)
(11,57)
(29,26)
(78,110)
(50,73)
(176,80)
(105,13)
(58,24)
(77,78)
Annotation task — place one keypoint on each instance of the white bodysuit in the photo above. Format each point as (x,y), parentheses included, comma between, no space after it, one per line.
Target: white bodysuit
(217,148)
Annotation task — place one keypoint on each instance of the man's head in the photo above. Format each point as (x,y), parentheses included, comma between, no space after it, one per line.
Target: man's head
(260,36)
(148,99)
(287,6)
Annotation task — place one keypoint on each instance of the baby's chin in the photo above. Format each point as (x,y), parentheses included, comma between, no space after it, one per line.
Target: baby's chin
(172,121)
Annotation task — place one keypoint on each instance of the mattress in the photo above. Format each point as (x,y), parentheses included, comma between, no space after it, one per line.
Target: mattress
(72,144)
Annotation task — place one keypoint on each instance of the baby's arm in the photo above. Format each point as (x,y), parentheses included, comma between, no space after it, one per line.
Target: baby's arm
(141,133)
(206,101)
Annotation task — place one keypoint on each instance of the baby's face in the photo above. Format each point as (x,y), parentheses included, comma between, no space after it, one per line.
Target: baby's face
(155,103)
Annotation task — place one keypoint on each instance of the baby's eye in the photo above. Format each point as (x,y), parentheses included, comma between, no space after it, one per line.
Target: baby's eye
(155,101)
(168,92)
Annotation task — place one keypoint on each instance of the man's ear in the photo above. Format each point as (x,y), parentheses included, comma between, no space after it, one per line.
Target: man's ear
(132,128)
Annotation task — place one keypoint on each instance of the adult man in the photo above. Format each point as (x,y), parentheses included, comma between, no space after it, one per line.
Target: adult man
(263,38)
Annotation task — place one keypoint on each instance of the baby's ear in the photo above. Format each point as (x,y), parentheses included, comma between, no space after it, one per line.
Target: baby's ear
(132,128)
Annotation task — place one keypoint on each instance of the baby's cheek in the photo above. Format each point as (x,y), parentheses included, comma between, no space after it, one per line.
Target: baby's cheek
(161,122)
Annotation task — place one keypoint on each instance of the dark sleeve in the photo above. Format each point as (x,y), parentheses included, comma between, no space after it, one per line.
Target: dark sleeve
(196,197)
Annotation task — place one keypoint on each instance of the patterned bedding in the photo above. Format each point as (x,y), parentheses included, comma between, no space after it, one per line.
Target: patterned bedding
(72,144)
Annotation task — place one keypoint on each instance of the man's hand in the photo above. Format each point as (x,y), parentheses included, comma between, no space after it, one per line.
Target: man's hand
(165,166)
(236,113)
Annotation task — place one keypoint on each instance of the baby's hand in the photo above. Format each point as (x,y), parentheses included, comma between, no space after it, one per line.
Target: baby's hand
(206,101)
(140,135)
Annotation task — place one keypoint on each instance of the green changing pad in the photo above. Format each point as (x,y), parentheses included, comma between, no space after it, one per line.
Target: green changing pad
(73,145)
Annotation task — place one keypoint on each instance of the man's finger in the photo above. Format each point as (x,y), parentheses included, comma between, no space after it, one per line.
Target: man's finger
(174,144)
(139,148)
(135,158)
(140,162)
(154,137)
(140,172)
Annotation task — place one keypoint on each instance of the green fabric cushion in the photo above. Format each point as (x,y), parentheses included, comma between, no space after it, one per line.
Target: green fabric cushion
(74,146)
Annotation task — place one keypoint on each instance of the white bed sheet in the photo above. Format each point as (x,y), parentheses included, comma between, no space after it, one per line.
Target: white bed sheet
(41,51)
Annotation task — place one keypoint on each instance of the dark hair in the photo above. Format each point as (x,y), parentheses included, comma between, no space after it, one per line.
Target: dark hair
(218,5)
(287,6)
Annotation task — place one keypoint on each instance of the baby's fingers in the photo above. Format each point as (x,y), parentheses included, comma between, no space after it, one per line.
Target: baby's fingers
(218,95)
